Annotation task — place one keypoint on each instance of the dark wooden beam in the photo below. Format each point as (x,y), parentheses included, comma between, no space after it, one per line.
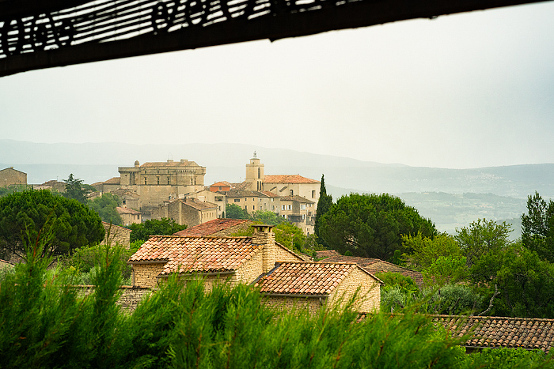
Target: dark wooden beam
(278,26)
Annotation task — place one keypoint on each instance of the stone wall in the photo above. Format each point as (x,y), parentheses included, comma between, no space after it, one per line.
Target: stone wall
(283,254)
(313,304)
(251,269)
(369,294)
(10,176)
(146,275)
(116,235)
(130,297)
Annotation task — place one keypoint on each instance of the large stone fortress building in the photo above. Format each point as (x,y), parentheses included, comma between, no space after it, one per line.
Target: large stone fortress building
(144,187)
(179,175)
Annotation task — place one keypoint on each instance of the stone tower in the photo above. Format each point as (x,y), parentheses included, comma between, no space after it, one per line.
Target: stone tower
(255,174)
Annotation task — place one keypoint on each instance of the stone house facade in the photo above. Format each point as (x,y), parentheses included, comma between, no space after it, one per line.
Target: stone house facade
(187,211)
(281,275)
(116,235)
(128,215)
(12,177)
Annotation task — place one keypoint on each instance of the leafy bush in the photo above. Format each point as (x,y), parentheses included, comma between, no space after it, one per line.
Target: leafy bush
(44,323)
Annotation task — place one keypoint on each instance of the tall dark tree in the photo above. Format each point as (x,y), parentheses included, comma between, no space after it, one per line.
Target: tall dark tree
(68,223)
(537,227)
(323,205)
(74,189)
(372,225)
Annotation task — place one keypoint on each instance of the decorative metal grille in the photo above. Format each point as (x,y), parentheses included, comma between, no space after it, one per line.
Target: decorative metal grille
(109,20)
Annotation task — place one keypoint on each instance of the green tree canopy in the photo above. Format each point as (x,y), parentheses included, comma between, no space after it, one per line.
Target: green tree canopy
(323,205)
(482,237)
(105,206)
(267,217)
(24,214)
(524,282)
(421,252)
(151,227)
(537,227)
(371,225)
(233,211)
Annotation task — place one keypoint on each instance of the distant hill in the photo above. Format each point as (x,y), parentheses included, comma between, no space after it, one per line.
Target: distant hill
(99,161)
(450,197)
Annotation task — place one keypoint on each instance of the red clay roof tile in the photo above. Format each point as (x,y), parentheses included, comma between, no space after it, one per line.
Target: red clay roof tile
(211,227)
(196,254)
(304,278)
(286,178)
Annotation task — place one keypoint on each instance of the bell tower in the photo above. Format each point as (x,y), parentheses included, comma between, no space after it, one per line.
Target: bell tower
(255,174)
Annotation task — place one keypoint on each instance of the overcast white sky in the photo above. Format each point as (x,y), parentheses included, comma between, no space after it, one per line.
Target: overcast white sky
(460,91)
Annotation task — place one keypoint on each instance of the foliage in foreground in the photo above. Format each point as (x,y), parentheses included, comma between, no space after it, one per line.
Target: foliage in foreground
(45,324)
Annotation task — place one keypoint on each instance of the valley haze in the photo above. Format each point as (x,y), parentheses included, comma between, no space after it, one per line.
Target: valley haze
(450,197)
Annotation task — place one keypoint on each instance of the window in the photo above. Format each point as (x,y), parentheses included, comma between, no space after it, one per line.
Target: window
(303,206)
(283,207)
(245,207)
(291,192)
(253,207)
(236,200)
(290,207)
(313,194)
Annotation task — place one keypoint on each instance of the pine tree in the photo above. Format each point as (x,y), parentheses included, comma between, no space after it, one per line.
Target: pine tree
(323,205)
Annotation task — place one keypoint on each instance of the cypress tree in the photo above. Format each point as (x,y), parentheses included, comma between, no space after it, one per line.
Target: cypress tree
(323,205)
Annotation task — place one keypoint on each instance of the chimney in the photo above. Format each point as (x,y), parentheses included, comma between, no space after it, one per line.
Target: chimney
(263,235)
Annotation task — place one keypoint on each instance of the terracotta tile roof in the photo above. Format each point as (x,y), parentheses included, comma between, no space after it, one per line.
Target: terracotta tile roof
(325,253)
(222,184)
(286,178)
(196,254)
(528,333)
(269,194)
(122,210)
(211,227)
(240,186)
(297,198)
(243,193)
(372,265)
(114,180)
(304,278)
(197,204)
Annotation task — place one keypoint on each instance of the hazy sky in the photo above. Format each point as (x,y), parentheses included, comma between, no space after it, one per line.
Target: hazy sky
(460,91)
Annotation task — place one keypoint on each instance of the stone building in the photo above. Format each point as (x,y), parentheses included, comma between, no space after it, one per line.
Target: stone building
(116,235)
(187,211)
(155,182)
(128,215)
(11,177)
(281,275)
(299,211)
(298,195)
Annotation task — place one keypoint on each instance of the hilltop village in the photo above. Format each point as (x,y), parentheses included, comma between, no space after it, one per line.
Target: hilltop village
(176,190)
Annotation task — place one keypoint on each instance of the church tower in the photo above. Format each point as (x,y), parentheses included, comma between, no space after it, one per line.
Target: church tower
(255,174)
